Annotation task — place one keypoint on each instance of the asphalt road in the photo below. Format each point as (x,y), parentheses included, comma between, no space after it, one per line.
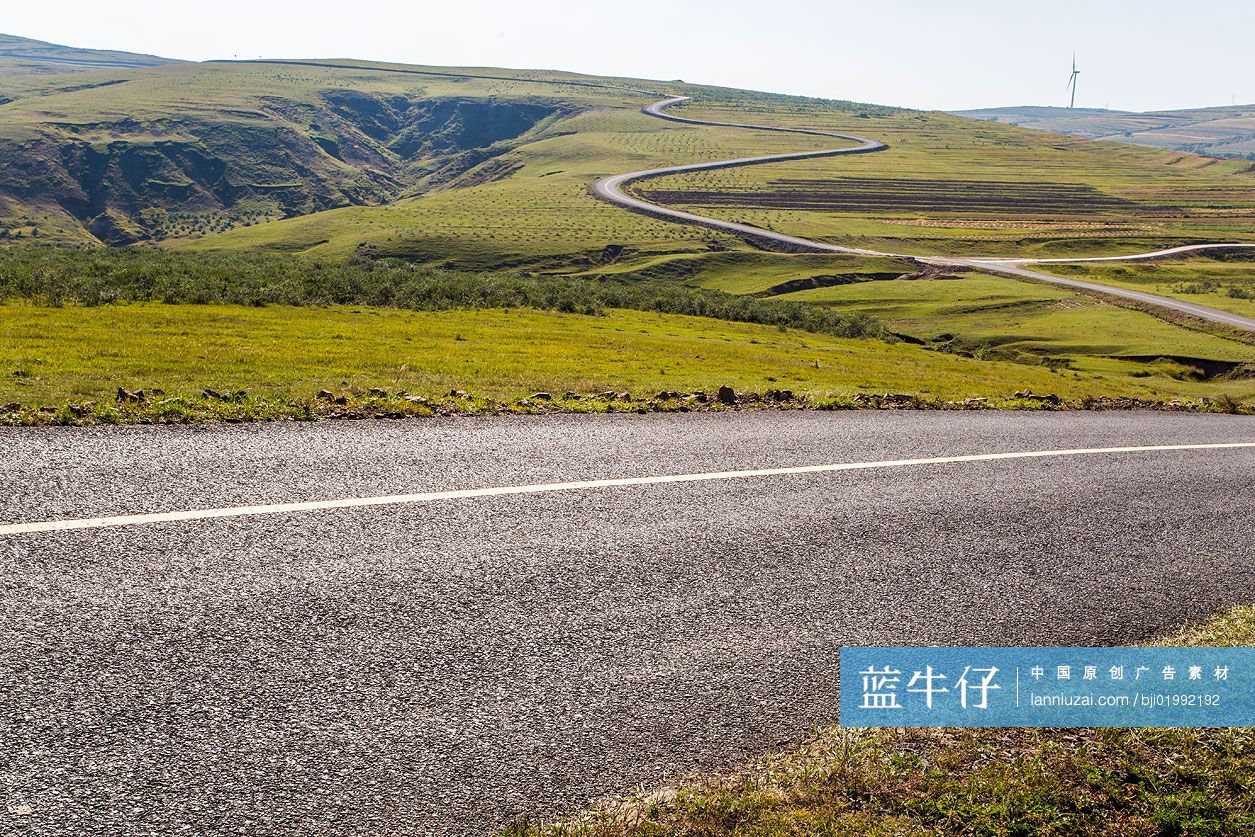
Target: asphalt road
(440,667)
(611,189)
(1202,312)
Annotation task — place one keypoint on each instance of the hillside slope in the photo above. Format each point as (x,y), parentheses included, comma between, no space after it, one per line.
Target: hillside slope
(946,185)
(197,147)
(490,168)
(1218,131)
(25,56)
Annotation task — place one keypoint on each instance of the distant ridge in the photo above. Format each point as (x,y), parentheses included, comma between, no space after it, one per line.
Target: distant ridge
(25,56)
(1227,131)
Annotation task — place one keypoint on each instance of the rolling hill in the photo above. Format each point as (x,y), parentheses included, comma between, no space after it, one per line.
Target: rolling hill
(24,56)
(490,168)
(126,157)
(1217,132)
(435,175)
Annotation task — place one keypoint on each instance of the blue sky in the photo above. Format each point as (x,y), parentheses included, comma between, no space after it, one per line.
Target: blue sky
(954,54)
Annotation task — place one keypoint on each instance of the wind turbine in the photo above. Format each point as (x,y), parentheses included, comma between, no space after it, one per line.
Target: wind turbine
(1072,81)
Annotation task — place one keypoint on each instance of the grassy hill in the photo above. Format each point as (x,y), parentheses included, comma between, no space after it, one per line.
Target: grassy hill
(1042,194)
(1219,131)
(328,166)
(956,186)
(24,56)
(195,148)
(490,168)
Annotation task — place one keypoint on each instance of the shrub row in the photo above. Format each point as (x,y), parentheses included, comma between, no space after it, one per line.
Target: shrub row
(52,276)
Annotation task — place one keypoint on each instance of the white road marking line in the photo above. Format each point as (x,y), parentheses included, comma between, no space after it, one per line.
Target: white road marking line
(469,493)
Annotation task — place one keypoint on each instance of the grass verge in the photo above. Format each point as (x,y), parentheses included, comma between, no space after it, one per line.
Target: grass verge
(967,782)
(222,362)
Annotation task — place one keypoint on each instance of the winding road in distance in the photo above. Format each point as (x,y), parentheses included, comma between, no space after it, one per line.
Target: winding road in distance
(611,189)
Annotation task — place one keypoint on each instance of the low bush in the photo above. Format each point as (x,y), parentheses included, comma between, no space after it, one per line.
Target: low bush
(52,276)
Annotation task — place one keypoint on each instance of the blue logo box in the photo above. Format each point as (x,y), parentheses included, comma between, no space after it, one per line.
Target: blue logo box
(1047,687)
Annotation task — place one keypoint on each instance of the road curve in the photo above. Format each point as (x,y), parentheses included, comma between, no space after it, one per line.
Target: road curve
(610,189)
(441,666)
(1017,268)
(1153,254)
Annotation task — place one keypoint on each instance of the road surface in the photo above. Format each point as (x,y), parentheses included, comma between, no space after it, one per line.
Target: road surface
(611,189)
(481,643)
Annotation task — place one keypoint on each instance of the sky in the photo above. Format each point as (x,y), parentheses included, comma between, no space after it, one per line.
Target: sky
(946,54)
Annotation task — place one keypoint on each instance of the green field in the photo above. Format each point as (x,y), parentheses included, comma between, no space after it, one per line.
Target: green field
(958,187)
(1226,282)
(330,167)
(991,317)
(744,271)
(57,356)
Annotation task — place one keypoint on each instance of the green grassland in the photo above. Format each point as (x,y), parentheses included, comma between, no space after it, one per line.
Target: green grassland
(79,324)
(475,169)
(491,168)
(1122,782)
(1225,281)
(55,356)
(957,187)
(991,317)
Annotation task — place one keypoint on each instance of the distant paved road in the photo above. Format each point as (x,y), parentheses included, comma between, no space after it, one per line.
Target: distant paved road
(1017,268)
(611,189)
(439,667)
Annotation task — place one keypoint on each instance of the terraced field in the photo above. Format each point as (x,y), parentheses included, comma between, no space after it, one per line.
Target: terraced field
(868,194)
(947,185)
(964,189)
